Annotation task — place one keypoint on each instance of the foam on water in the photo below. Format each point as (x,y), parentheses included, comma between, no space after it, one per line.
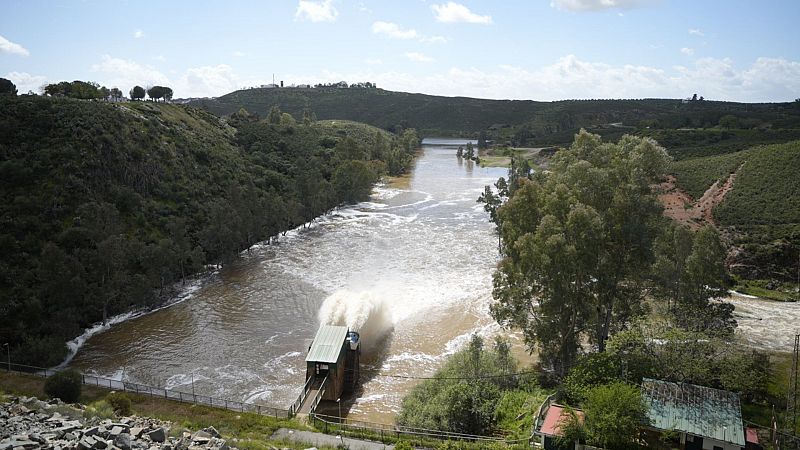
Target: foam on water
(361,312)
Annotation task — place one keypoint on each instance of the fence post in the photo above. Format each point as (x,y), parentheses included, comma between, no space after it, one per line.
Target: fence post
(180,394)
(258,408)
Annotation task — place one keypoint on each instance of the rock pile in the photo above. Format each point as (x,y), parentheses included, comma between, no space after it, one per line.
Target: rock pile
(31,424)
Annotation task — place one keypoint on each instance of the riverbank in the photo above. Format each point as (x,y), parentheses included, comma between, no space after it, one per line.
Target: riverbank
(501,156)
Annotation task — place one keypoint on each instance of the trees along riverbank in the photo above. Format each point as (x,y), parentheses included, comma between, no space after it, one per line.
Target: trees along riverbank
(107,205)
(607,290)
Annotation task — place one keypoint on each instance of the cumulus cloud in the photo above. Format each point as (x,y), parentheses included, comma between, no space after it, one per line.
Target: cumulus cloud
(13,48)
(433,39)
(452,12)
(418,57)
(238,53)
(204,81)
(26,82)
(595,5)
(393,30)
(687,51)
(569,77)
(696,32)
(316,11)
(125,74)
(209,81)
(138,34)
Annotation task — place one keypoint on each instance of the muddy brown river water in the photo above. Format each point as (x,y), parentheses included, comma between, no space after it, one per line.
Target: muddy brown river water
(415,263)
(413,266)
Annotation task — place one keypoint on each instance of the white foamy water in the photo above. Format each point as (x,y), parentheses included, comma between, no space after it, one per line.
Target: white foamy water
(764,324)
(413,265)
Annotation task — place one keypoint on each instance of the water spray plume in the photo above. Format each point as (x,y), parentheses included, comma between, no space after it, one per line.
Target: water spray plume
(360,312)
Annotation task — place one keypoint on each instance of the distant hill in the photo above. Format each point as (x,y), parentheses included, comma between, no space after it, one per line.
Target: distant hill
(521,122)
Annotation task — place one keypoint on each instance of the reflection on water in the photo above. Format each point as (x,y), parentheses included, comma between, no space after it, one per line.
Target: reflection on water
(424,248)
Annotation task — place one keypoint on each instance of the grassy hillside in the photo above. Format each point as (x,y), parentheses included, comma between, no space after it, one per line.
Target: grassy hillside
(520,122)
(767,189)
(762,212)
(696,175)
(105,205)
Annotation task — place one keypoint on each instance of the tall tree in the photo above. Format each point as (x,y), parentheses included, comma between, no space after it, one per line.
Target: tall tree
(137,93)
(115,93)
(274,116)
(575,241)
(155,92)
(7,87)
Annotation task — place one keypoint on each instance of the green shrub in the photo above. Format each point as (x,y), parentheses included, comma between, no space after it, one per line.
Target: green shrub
(65,385)
(403,445)
(120,402)
(100,409)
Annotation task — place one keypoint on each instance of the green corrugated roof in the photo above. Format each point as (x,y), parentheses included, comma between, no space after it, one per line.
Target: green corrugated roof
(699,410)
(327,344)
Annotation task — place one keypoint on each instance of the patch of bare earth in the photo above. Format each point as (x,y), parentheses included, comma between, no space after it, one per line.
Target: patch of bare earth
(682,208)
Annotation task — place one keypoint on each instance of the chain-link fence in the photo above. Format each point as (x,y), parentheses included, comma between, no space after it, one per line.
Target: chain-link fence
(143,389)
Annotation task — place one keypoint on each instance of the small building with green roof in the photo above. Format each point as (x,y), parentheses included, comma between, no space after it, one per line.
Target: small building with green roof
(704,418)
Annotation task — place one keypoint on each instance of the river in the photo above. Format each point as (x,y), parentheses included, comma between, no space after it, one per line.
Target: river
(419,257)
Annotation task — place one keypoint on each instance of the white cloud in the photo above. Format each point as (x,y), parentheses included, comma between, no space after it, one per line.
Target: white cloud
(452,12)
(209,81)
(316,11)
(393,30)
(765,80)
(138,34)
(238,54)
(125,74)
(433,39)
(7,46)
(26,82)
(687,51)
(160,58)
(596,5)
(696,32)
(418,57)
(396,31)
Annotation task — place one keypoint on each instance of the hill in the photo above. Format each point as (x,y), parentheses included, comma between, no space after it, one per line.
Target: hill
(520,122)
(105,205)
(761,210)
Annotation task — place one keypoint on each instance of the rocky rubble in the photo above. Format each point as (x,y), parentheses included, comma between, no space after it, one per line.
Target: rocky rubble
(31,424)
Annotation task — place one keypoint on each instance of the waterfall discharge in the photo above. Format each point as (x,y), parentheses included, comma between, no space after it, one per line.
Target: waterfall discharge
(360,312)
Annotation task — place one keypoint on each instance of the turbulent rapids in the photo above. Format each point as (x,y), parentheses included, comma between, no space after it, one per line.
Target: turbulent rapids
(360,312)
(410,270)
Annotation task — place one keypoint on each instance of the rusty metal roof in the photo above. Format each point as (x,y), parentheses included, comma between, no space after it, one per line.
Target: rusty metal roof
(327,344)
(698,410)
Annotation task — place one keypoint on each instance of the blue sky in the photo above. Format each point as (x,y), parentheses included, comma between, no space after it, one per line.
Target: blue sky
(536,49)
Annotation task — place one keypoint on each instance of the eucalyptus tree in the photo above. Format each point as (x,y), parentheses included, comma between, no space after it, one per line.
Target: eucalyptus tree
(577,242)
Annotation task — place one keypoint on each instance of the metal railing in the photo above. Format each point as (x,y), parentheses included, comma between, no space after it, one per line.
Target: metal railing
(318,397)
(390,433)
(301,398)
(170,394)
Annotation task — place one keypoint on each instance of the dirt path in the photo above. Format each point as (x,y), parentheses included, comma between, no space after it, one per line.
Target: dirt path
(680,206)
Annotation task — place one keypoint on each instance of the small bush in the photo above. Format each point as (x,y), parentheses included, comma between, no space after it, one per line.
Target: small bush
(120,402)
(403,445)
(100,409)
(65,385)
